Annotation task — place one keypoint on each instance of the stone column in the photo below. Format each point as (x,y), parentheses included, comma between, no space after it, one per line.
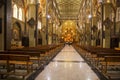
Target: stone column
(43,33)
(118,31)
(8,24)
(106,40)
(32,14)
(94,33)
(2,17)
(88,34)
(50,33)
(54,32)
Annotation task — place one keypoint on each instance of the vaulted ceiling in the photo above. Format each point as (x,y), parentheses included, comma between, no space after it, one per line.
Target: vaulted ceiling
(68,9)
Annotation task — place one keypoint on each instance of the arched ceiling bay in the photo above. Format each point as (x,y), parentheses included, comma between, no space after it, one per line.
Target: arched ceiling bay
(68,9)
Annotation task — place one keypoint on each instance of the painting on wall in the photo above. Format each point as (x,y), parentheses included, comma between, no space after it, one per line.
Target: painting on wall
(0,25)
(31,22)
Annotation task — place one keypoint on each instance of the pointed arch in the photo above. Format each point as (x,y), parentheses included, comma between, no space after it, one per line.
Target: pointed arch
(118,14)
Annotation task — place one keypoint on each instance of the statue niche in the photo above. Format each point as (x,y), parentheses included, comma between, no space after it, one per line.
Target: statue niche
(16,34)
(16,31)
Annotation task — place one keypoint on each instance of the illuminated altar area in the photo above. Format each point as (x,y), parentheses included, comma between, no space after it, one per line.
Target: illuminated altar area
(68,31)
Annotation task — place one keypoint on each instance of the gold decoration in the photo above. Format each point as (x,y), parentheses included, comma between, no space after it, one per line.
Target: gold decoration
(43,2)
(68,31)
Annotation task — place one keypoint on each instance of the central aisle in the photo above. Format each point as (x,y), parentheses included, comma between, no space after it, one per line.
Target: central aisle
(67,65)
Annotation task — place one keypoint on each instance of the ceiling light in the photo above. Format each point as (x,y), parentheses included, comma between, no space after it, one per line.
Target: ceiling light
(48,16)
(89,16)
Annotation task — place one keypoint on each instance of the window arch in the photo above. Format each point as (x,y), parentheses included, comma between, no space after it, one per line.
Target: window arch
(15,10)
(20,14)
(118,14)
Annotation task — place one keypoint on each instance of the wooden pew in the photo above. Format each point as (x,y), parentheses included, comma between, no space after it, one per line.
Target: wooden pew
(23,60)
(4,64)
(34,56)
(111,61)
(104,57)
(44,53)
(41,53)
(13,60)
(97,52)
(100,56)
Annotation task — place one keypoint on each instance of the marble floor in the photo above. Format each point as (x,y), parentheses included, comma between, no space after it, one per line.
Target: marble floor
(67,65)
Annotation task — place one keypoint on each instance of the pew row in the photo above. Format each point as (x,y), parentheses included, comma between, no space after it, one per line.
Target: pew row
(9,64)
(103,59)
(39,54)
